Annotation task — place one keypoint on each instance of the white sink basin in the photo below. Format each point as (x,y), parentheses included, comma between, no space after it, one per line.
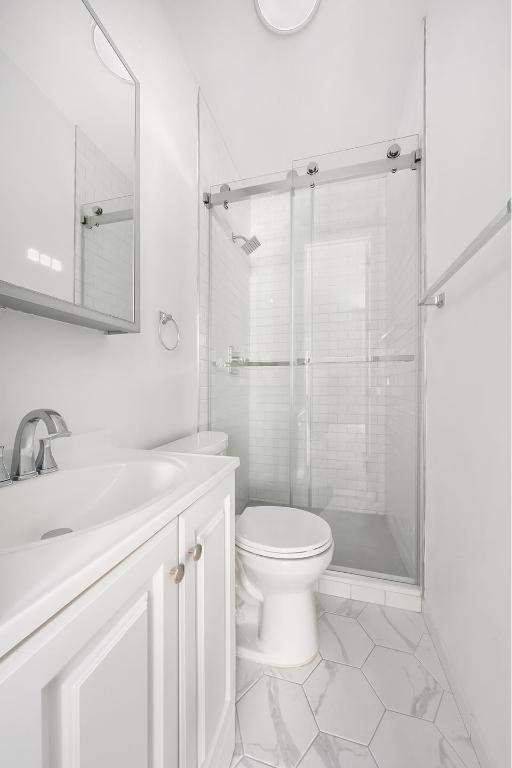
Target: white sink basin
(113,501)
(82,498)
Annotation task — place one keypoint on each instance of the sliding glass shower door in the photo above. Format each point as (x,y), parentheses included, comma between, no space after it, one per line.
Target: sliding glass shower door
(314,347)
(354,416)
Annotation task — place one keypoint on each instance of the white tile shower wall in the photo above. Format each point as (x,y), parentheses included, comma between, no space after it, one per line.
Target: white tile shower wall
(270,341)
(347,272)
(348,320)
(401,389)
(103,255)
(346,268)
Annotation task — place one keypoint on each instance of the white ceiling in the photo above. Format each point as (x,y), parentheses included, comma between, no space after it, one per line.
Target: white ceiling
(340,82)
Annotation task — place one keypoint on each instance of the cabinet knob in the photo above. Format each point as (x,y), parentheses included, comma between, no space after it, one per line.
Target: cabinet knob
(196,552)
(177,573)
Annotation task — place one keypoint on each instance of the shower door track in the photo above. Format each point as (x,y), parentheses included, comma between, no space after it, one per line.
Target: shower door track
(294,181)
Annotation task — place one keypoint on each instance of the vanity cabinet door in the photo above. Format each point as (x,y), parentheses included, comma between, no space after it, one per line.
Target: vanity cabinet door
(207,627)
(97,686)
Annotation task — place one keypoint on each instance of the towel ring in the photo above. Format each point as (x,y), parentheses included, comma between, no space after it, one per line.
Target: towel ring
(163,319)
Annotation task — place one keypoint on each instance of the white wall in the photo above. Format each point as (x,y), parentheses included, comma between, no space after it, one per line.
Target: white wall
(468,363)
(128,383)
(338,83)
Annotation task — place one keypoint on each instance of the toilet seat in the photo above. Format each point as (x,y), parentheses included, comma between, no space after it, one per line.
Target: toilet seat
(282,532)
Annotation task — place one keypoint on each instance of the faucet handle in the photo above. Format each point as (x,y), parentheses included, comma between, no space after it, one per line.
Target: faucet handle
(5,478)
(45,462)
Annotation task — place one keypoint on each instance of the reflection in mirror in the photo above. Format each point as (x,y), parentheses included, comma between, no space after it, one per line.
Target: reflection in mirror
(67,140)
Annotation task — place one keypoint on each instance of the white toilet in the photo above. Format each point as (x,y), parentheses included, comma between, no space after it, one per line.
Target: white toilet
(281,552)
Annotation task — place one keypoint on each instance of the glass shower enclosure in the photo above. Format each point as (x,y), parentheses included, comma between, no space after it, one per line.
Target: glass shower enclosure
(315,346)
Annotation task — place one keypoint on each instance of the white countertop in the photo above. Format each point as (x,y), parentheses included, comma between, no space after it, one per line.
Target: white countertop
(38,580)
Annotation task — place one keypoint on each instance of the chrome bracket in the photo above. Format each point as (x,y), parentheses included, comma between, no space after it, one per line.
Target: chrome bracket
(435,301)
(417,159)
(207,199)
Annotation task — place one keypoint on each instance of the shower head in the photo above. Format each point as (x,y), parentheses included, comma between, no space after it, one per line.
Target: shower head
(249,245)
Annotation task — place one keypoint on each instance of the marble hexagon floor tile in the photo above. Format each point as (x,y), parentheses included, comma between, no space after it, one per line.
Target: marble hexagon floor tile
(343,702)
(343,640)
(247,673)
(294,674)
(276,723)
(392,627)
(340,605)
(402,683)
(248,762)
(427,654)
(330,752)
(450,723)
(239,749)
(409,742)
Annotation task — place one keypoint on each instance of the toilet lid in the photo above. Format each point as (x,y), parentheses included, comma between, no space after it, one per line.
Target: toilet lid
(282,532)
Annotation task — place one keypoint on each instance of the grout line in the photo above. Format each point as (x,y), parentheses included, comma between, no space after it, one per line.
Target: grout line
(411,717)
(375,731)
(237,722)
(376,694)
(366,633)
(405,713)
(321,660)
(370,684)
(344,738)
(443,736)
(248,688)
(312,713)
(258,762)
(314,737)
(420,662)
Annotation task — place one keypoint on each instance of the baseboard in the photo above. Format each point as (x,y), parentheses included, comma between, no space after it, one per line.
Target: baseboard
(394,594)
(458,692)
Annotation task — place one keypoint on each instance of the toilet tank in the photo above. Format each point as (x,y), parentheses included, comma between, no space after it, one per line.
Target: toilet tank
(212,443)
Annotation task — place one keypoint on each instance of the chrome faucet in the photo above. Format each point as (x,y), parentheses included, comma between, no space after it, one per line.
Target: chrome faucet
(24,463)
(5,478)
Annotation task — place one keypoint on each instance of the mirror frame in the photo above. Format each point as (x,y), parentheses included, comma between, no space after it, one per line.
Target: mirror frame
(32,302)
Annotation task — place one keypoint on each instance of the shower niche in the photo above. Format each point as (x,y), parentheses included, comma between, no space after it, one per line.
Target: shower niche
(69,189)
(315,354)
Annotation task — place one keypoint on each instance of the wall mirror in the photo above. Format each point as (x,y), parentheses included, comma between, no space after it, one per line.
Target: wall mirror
(69,158)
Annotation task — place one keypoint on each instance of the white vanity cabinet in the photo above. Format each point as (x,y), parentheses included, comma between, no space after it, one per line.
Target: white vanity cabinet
(138,671)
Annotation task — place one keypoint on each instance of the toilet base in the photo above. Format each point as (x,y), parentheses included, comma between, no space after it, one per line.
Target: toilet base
(248,647)
(278,635)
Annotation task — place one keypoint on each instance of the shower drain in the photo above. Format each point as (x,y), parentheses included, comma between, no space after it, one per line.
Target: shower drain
(56,532)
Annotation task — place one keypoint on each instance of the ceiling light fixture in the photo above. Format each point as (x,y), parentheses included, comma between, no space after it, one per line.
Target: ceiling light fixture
(286,16)
(108,56)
